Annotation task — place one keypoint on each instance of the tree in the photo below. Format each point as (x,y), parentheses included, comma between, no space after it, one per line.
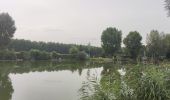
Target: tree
(7,55)
(7,29)
(39,55)
(111,41)
(26,45)
(54,55)
(73,50)
(133,43)
(156,46)
(167,6)
(167,42)
(82,55)
(23,55)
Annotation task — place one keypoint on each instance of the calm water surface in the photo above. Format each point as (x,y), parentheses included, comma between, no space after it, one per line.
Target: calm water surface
(44,80)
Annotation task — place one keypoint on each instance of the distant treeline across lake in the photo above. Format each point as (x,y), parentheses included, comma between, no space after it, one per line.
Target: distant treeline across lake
(26,45)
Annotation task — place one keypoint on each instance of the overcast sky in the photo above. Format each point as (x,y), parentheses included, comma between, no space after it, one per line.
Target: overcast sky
(82,21)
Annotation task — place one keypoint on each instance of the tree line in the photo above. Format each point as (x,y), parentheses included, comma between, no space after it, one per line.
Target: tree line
(12,49)
(157,44)
(26,45)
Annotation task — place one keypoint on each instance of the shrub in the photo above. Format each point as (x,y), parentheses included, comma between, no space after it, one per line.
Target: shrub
(73,50)
(40,55)
(23,55)
(54,55)
(82,55)
(7,55)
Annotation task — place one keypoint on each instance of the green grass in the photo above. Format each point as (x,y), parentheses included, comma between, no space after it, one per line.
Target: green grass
(141,82)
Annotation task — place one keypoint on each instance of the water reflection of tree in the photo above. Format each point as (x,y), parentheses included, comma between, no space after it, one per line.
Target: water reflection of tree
(26,67)
(6,88)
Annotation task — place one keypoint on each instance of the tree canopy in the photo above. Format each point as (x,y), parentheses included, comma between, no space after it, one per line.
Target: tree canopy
(167,6)
(111,41)
(167,41)
(156,46)
(26,45)
(7,29)
(73,50)
(133,43)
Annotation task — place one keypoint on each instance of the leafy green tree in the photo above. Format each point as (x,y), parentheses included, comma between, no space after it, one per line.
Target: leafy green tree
(133,43)
(82,55)
(167,6)
(167,42)
(54,55)
(6,89)
(111,41)
(7,55)
(73,50)
(26,45)
(156,46)
(7,29)
(40,55)
(23,55)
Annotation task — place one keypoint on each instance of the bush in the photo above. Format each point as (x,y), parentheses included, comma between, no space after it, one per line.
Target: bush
(7,55)
(54,55)
(73,50)
(82,55)
(40,55)
(23,55)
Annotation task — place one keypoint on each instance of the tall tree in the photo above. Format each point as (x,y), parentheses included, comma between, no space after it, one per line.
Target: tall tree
(156,46)
(111,41)
(133,43)
(167,42)
(167,6)
(7,29)
(26,45)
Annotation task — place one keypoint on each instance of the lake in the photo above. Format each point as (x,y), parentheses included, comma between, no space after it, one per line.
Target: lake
(73,80)
(45,80)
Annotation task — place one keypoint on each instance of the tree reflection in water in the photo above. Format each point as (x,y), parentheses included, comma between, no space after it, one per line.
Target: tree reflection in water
(6,88)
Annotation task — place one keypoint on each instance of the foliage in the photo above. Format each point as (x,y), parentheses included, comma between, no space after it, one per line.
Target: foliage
(54,55)
(152,86)
(133,43)
(26,45)
(7,29)
(39,55)
(111,41)
(6,89)
(167,42)
(139,83)
(156,46)
(23,55)
(73,50)
(66,56)
(7,55)
(167,6)
(82,55)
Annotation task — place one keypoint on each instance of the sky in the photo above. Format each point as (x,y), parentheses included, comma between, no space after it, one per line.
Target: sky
(82,21)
